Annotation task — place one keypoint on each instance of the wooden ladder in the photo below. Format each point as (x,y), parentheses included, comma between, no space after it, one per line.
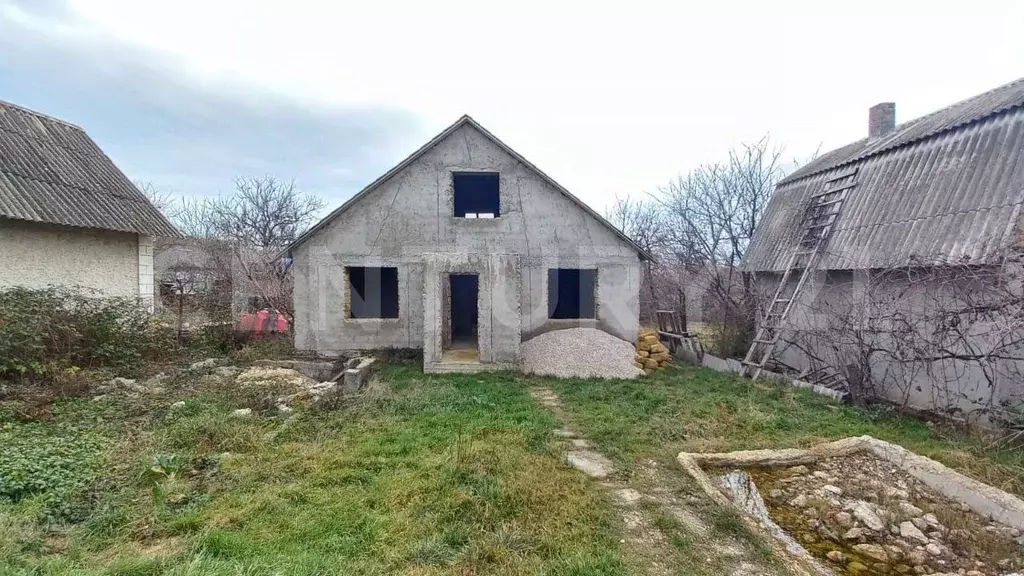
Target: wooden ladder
(819,220)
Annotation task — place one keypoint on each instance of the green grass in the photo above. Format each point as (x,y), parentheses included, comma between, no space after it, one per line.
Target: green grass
(421,475)
(699,410)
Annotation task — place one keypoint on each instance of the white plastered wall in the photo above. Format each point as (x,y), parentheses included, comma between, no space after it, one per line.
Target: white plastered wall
(36,255)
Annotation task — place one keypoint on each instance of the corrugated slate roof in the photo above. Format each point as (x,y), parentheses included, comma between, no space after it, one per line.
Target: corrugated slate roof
(945,188)
(52,172)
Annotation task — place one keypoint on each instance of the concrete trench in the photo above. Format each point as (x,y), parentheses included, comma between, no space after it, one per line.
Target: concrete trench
(984,500)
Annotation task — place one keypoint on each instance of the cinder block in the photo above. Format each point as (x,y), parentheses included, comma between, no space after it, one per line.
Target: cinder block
(357,377)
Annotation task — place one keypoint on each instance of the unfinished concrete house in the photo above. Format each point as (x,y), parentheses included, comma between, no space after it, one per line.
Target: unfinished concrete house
(891,266)
(463,250)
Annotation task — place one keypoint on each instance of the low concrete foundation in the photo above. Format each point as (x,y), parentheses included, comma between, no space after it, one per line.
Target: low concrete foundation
(319,371)
(983,499)
(731,365)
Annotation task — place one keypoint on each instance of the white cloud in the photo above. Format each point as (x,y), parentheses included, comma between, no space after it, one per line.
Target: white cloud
(606,97)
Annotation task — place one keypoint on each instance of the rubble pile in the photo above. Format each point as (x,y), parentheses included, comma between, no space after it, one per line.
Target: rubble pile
(650,353)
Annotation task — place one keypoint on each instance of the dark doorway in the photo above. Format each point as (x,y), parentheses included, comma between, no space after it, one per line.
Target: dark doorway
(465,289)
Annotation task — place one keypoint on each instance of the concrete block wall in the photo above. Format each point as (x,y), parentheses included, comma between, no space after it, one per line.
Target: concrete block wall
(321,322)
(618,295)
(408,222)
(146,272)
(941,385)
(499,325)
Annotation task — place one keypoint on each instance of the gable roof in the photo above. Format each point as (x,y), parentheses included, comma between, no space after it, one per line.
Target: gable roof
(464,120)
(52,172)
(944,188)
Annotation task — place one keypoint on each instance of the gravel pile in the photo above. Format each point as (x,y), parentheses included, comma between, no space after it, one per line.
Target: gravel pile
(579,353)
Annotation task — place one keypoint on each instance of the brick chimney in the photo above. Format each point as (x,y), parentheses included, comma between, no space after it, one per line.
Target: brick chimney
(881,119)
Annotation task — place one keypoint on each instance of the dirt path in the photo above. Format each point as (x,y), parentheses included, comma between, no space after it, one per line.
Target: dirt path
(667,526)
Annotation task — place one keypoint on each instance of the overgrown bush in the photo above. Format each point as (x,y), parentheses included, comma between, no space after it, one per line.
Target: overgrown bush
(45,332)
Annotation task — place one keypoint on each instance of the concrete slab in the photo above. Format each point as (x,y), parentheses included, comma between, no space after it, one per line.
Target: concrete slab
(319,371)
(463,368)
(590,463)
(627,496)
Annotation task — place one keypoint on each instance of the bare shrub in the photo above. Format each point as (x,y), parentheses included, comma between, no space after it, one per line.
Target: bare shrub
(948,336)
(260,217)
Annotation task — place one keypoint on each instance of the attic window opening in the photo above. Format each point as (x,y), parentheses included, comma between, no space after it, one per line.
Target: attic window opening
(373,292)
(572,293)
(476,194)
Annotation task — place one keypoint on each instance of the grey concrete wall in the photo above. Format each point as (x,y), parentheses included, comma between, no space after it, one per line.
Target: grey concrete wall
(321,322)
(146,285)
(35,255)
(498,304)
(938,385)
(410,216)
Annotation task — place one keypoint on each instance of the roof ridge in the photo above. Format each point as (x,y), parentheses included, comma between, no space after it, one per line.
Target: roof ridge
(895,142)
(937,131)
(40,114)
(405,162)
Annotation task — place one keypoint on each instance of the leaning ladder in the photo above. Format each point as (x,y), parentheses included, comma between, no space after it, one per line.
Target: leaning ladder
(819,220)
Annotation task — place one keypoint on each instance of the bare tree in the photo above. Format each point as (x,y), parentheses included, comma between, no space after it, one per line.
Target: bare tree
(162,200)
(195,218)
(264,213)
(642,221)
(261,216)
(711,214)
(716,207)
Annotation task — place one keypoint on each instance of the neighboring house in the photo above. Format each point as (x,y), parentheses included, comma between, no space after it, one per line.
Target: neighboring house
(931,220)
(68,216)
(196,275)
(205,279)
(196,267)
(464,250)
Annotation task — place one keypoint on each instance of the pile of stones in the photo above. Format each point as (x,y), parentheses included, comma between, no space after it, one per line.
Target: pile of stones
(868,517)
(651,354)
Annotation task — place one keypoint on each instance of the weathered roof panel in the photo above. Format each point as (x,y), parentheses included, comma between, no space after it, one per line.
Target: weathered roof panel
(1001,99)
(948,190)
(51,171)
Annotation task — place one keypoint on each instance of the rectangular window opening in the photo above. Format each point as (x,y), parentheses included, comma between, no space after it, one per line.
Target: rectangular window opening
(476,195)
(373,292)
(572,293)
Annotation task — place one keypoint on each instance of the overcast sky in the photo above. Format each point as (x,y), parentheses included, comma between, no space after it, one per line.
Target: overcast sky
(608,98)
